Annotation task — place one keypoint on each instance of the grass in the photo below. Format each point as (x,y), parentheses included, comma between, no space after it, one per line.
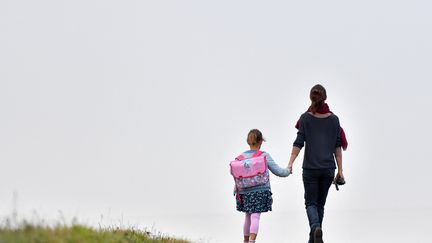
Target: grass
(29,233)
(14,229)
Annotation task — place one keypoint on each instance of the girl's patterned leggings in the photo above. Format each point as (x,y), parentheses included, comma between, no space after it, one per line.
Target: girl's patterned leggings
(251,223)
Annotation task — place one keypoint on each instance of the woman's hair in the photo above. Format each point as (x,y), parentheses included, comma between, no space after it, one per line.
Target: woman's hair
(254,137)
(317,95)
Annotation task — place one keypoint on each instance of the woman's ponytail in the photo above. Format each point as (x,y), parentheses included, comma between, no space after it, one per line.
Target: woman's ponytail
(317,95)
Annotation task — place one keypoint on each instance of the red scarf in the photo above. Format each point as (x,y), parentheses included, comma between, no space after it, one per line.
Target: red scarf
(324,109)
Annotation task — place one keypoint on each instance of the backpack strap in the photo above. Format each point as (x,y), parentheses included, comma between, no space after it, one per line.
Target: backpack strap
(257,153)
(237,191)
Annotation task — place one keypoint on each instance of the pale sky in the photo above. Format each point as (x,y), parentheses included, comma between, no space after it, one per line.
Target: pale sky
(138,106)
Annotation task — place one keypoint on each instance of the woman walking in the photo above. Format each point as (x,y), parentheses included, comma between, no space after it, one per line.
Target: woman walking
(319,131)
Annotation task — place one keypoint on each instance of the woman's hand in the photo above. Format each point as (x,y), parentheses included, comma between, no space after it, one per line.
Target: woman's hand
(294,153)
(290,166)
(338,156)
(340,174)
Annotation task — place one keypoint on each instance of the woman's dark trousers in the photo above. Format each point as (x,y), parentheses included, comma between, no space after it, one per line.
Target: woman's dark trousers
(316,184)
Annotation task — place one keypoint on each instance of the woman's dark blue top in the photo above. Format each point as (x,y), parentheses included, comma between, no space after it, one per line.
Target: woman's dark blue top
(321,137)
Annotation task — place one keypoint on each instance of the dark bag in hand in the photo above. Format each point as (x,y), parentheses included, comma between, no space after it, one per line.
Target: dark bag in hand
(338,181)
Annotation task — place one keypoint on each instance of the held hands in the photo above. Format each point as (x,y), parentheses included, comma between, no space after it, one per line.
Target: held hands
(294,153)
(290,166)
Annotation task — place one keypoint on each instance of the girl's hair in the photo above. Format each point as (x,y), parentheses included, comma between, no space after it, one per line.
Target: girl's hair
(254,137)
(317,95)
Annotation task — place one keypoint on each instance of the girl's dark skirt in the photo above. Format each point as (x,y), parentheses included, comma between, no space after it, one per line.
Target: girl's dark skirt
(255,202)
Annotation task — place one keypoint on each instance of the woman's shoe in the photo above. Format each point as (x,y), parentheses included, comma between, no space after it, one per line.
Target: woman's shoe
(318,235)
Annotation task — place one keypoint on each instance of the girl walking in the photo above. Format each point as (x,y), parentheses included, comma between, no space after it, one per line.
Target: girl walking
(319,129)
(256,199)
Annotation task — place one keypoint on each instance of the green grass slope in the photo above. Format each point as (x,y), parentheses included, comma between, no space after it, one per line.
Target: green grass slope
(27,233)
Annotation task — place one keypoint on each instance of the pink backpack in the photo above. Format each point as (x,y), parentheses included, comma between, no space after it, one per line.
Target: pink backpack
(249,172)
